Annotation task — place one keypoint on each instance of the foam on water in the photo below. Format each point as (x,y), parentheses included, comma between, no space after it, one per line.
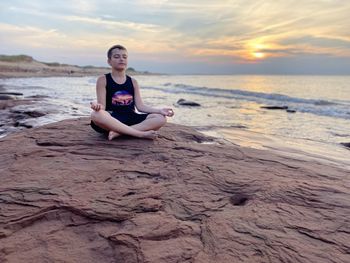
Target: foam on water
(339,109)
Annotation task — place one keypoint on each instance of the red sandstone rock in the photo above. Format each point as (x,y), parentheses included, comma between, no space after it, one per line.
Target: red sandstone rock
(69,195)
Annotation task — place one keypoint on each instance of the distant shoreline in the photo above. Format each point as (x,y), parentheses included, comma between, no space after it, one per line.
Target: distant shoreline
(23,66)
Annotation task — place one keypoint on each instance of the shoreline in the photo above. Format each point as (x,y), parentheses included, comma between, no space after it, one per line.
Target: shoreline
(19,118)
(24,118)
(33,68)
(14,75)
(27,67)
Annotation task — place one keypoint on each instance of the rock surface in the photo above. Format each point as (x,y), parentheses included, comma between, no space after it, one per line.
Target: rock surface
(274,107)
(286,108)
(17,114)
(69,195)
(183,102)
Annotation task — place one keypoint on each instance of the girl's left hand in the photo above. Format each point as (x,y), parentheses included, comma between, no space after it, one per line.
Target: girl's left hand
(167,112)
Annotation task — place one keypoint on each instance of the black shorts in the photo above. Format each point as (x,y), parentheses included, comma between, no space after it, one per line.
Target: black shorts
(129,119)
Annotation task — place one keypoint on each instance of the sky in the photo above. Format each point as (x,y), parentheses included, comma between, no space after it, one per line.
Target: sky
(184,36)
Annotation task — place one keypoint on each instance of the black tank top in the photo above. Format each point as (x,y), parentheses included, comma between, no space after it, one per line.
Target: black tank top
(119,97)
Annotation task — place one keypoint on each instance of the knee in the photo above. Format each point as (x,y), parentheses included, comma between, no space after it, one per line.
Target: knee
(162,119)
(96,115)
(93,115)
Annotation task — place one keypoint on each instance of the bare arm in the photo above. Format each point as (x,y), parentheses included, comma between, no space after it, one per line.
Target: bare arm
(100,94)
(138,100)
(144,108)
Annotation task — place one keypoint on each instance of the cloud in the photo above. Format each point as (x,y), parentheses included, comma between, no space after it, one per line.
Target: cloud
(125,25)
(31,36)
(232,31)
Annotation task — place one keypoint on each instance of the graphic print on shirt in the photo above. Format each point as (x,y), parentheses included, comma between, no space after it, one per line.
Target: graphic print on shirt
(122,98)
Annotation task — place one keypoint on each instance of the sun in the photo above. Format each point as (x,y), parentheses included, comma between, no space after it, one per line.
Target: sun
(257,49)
(258,54)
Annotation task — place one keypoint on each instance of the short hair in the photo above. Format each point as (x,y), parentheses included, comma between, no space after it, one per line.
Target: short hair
(109,52)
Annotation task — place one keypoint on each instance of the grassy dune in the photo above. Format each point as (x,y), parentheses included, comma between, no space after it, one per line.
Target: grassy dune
(16,58)
(27,66)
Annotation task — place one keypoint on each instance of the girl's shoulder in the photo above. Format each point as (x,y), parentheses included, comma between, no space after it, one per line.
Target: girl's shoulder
(101,80)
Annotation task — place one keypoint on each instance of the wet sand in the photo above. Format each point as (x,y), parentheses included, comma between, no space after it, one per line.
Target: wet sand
(297,148)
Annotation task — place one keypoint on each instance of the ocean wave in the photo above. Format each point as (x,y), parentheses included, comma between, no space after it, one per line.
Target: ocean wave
(236,93)
(315,106)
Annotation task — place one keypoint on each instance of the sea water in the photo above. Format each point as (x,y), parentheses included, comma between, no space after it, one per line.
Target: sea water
(316,123)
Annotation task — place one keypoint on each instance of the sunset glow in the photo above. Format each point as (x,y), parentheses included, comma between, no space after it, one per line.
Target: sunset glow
(178,36)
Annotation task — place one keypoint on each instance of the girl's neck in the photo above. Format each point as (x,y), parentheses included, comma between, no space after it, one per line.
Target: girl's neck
(119,77)
(118,73)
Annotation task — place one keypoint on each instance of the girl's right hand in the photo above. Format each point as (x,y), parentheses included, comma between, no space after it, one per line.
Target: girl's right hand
(95,106)
(167,112)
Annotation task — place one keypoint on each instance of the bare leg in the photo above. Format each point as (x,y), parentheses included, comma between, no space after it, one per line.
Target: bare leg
(106,121)
(152,122)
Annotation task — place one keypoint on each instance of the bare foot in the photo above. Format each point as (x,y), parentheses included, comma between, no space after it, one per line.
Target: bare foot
(112,135)
(149,135)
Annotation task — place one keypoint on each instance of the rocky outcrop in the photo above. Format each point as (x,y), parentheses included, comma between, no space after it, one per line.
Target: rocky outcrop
(274,107)
(18,114)
(183,102)
(346,144)
(69,195)
(286,108)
